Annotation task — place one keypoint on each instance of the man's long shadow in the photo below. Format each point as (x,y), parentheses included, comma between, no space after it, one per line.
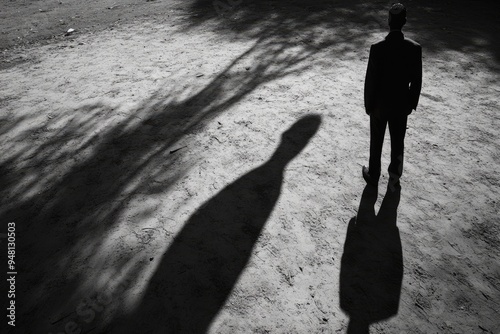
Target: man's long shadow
(371,270)
(200,268)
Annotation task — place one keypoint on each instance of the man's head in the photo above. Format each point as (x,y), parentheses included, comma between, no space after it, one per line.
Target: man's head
(397,16)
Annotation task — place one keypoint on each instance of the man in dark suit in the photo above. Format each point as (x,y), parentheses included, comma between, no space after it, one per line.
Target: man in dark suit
(392,88)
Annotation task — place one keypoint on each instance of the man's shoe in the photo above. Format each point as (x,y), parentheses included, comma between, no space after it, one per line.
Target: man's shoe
(369,179)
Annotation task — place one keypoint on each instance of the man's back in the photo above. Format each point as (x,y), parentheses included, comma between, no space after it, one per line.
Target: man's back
(394,75)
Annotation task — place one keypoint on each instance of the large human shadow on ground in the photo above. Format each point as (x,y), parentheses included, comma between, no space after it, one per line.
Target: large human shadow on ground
(200,268)
(371,270)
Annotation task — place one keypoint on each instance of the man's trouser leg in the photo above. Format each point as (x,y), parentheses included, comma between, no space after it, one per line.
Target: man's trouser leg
(397,130)
(377,131)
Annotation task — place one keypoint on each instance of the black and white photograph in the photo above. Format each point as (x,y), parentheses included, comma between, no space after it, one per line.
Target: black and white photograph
(250,166)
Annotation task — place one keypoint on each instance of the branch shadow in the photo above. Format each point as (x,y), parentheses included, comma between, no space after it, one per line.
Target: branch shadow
(371,270)
(200,268)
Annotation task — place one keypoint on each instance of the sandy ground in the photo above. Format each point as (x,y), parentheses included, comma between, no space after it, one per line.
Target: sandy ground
(192,167)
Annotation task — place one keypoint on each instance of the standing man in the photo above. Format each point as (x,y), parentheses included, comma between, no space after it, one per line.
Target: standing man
(392,88)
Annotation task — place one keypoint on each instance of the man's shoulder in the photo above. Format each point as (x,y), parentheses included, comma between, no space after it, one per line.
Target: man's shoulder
(405,40)
(412,43)
(386,44)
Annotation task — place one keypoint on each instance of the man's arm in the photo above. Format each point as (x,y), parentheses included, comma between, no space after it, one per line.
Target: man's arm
(416,80)
(370,83)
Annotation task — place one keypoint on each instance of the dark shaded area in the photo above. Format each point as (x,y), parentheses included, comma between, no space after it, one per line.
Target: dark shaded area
(467,26)
(371,271)
(200,268)
(315,24)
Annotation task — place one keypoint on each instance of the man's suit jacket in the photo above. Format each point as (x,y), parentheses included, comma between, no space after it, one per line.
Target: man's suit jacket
(394,75)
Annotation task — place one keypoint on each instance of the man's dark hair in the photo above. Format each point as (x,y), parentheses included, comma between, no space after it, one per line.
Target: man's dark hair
(397,16)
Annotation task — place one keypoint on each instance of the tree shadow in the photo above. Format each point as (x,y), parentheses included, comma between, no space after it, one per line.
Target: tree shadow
(465,26)
(440,25)
(371,270)
(314,25)
(200,268)
(67,193)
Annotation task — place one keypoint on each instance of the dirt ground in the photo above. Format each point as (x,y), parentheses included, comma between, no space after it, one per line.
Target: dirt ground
(195,166)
